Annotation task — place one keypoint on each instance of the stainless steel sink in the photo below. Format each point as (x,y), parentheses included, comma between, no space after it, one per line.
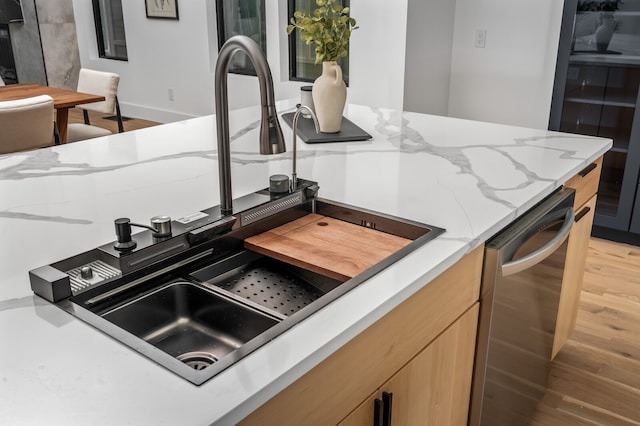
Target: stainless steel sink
(198,301)
(191,323)
(207,314)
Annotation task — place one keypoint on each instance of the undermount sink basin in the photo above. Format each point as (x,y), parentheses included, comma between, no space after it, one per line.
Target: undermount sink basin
(214,315)
(191,323)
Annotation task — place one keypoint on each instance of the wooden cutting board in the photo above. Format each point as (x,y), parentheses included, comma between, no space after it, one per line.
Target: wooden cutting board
(328,246)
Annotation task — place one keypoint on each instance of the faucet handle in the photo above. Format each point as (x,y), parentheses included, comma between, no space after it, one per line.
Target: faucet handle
(161,225)
(279,184)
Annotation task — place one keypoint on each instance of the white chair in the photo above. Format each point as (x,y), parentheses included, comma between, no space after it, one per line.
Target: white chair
(97,83)
(27,124)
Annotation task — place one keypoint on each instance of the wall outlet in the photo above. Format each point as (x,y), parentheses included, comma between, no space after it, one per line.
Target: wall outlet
(170,92)
(480,38)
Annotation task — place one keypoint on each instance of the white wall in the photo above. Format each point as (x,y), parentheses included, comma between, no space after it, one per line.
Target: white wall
(181,55)
(377,53)
(430,27)
(436,70)
(510,80)
(162,54)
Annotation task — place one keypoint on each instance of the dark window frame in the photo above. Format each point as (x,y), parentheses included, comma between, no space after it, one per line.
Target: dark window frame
(235,66)
(97,19)
(293,63)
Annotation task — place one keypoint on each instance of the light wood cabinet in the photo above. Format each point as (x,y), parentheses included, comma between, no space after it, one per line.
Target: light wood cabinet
(434,387)
(586,186)
(573,274)
(328,393)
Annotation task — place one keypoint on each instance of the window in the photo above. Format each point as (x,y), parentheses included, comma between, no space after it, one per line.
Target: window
(10,11)
(241,17)
(112,43)
(302,66)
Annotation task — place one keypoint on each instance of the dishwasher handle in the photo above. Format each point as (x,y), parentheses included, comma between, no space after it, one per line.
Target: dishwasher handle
(543,252)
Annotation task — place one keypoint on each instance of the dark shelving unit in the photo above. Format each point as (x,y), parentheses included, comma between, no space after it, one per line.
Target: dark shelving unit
(596,93)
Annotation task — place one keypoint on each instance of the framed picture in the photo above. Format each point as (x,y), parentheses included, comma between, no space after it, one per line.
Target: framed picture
(162,9)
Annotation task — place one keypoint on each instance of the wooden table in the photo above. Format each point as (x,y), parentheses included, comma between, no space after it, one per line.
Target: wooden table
(62,100)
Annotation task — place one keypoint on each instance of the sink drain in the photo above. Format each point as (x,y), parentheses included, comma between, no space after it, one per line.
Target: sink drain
(197,360)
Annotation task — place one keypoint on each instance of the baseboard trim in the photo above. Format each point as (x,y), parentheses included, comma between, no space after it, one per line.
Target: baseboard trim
(153,114)
(615,235)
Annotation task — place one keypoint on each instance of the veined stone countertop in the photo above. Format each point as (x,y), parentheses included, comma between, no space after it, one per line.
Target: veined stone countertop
(469,177)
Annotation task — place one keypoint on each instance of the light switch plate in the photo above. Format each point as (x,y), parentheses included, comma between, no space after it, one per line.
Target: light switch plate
(480,38)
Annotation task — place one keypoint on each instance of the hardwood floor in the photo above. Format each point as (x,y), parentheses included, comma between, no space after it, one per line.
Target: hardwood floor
(595,379)
(75,116)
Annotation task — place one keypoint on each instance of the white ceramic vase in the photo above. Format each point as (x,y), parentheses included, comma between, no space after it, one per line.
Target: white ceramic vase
(605,31)
(329,97)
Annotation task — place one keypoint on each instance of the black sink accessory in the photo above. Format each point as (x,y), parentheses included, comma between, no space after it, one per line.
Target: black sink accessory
(161,228)
(123,234)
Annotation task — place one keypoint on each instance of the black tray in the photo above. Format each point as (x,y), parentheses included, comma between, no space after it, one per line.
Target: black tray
(307,131)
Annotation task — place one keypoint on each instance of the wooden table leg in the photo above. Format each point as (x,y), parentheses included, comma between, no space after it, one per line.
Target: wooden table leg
(62,119)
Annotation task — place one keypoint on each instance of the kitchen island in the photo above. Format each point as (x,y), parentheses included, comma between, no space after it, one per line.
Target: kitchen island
(468,177)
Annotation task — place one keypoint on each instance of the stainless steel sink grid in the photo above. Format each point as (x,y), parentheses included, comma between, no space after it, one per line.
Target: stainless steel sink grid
(267,286)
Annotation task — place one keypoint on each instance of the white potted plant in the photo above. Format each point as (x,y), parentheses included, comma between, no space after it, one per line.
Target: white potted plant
(328,28)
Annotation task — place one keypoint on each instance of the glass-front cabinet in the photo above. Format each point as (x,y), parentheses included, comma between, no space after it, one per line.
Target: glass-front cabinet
(596,93)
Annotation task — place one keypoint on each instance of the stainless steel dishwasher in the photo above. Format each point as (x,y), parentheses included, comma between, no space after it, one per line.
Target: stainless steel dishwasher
(521,282)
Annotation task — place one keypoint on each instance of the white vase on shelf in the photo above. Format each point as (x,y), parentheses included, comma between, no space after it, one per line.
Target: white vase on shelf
(605,31)
(329,97)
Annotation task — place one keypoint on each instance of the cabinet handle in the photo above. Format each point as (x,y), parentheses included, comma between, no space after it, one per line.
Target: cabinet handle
(582,214)
(382,410)
(591,167)
(387,397)
(377,413)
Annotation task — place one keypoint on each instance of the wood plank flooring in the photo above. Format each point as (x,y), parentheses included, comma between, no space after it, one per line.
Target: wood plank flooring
(595,379)
(75,116)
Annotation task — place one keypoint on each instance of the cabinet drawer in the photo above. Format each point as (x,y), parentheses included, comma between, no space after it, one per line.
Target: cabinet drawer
(586,183)
(330,391)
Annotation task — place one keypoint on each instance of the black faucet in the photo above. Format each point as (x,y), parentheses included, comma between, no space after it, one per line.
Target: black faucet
(271,138)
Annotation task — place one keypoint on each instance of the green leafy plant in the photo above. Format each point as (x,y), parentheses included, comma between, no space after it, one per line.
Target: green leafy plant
(328,28)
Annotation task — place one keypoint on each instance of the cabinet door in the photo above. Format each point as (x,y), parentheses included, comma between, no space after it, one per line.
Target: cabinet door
(573,275)
(635,218)
(433,388)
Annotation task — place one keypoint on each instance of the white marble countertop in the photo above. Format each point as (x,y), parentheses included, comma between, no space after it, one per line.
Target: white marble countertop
(468,177)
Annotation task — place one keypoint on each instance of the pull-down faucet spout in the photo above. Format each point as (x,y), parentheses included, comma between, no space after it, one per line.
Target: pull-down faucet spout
(271,138)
